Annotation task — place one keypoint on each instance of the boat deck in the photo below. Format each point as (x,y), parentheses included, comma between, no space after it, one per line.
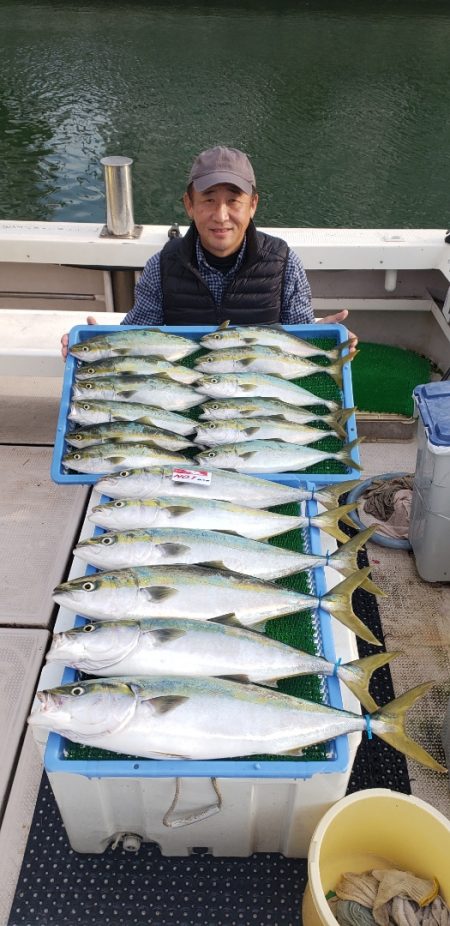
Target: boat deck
(39,524)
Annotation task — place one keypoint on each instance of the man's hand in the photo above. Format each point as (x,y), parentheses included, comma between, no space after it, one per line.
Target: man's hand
(65,338)
(336,320)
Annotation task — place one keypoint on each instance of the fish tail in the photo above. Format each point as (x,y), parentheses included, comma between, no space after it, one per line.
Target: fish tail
(391,717)
(345,559)
(328,521)
(356,676)
(345,454)
(338,603)
(329,496)
(339,419)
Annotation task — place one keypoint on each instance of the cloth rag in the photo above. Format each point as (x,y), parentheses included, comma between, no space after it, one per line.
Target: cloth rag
(393,898)
(389,501)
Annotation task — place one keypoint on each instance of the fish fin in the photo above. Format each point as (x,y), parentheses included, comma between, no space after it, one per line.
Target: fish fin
(330,495)
(393,714)
(173,549)
(338,602)
(177,510)
(345,454)
(246,454)
(116,460)
(328,521)
(229,620)
(166,634)
(247,387)
(164,703)
(158,592)
(247,362)
(224,325)
(356,676)
(297,751)
(242,679)
(128,393)
(213,564)
(121,351)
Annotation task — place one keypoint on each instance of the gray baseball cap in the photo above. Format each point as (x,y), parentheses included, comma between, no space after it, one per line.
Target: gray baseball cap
(222,165)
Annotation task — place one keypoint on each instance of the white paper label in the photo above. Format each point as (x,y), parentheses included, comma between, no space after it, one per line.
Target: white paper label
(201,476)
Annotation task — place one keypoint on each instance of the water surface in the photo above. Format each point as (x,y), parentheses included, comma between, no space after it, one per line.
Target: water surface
(342,106)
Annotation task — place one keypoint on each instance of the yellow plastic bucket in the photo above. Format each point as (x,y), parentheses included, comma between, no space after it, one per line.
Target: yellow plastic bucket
(377,828)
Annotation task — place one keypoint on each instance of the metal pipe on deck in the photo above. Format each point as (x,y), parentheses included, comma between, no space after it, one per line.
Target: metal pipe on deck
(119,196)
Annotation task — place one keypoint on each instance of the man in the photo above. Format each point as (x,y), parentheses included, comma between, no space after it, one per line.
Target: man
(223,268)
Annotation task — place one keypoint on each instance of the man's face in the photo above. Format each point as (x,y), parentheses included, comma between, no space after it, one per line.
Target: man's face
(221,215)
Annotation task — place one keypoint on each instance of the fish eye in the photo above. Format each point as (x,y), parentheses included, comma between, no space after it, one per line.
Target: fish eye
(76,437)
(216,337)
(211,454)
(107,540)
(212,425)
(88,586)
(119,504)
(214,379)
(208,359)
(214,405)
(124,472)
(85,348)
(86,406)
(76,456)
(89,628)
(78,690)
(90,370)
(89,385)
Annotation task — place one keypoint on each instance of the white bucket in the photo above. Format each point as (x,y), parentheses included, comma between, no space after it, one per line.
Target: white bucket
(377,828)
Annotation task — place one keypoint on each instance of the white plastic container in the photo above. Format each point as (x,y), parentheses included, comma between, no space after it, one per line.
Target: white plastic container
(429,531)
(238,807)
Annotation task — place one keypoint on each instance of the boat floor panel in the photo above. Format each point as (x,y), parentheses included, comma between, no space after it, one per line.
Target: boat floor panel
(39,524)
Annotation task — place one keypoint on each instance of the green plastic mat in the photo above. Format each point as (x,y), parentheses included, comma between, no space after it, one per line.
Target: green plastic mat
(384,378)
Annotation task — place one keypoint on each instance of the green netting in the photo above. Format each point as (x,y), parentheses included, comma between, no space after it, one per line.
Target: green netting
(384,378)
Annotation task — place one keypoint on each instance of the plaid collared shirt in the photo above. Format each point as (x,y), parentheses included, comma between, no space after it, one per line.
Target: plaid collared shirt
(148,305)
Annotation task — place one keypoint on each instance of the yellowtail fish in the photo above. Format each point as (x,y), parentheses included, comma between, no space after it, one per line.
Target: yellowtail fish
(165,646)
(240,430)
(210,514)
(126,432)
(203,594)
(174,546)
(270,335)
(221,409)
(270,456)
(137,342)
(154,390)
(137,366)
(113,457)
(90,411)
(268,360)
(258,385)
(224,485)
(210,718)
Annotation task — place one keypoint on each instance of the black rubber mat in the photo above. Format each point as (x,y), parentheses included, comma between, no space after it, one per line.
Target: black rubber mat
(58,887)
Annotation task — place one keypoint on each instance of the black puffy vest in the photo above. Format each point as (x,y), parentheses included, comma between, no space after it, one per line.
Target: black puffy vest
(253,296)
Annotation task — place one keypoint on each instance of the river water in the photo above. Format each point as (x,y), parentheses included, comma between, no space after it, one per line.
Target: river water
(343,105)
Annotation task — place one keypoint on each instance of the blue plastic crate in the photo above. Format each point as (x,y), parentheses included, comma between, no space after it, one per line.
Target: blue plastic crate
(83,332)
(337,750)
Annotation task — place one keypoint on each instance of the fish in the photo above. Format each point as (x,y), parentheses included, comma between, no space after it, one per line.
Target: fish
(210,718)
(97,412)
(225,485)
(258,385)
(126,432)
(201,593)
(259,359)
(138,366)
(138,342)
(154,390)
(177,546)
(209,514)
(227,337)
(240,430)
(165,646)
(270,456)
(114,457)
(221,409)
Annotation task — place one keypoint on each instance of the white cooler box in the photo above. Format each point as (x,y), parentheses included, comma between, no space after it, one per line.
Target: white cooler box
(429,531)
(238,807)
